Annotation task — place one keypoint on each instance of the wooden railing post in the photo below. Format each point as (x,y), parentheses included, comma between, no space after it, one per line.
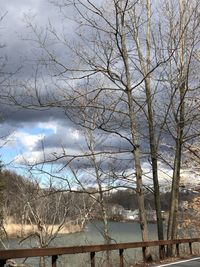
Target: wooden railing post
(190,246)
(177,250)
(53,260)
(144,253)
(162,252)
(92,258)
(121,251)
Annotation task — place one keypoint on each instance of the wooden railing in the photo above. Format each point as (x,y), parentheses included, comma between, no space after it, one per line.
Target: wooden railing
(54,252)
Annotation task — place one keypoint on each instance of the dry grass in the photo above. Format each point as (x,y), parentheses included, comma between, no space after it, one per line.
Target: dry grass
(18,230)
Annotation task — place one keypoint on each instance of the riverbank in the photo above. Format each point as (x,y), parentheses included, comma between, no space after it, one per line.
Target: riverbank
(14,230)
(92,234)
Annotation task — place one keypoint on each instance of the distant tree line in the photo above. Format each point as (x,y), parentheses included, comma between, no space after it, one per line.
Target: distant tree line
(128,199)
(131,87)
(22,199)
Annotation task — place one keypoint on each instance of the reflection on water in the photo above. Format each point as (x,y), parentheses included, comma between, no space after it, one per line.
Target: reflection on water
(92,234)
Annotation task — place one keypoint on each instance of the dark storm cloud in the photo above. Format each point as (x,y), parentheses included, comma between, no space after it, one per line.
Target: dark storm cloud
(116,164)
(64,137)
(19,39)
(17,116)
(23,53)
(73,142)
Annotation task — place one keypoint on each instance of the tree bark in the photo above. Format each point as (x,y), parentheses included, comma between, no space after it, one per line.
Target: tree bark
(145,65)
(152,135)
(180,123)
(135,143)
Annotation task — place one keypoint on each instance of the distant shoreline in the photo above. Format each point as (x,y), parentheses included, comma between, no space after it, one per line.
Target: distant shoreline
(94,220)
(14,230)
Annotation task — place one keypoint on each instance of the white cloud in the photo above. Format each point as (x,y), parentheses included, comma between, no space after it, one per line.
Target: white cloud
(28,158)
(74,134)
(28,141)
(39,156)
(49,126)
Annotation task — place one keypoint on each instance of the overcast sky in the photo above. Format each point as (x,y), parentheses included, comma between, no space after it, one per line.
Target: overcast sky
(25,129)
(27,132)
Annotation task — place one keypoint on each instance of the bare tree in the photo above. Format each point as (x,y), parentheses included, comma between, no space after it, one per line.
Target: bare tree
(46,223)
(41,214)
(145,66)
(107,57)
(119,62)
(5,75)
(183,30)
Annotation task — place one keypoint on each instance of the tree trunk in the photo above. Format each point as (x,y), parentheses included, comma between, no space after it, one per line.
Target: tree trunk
(154,161)
(135,143)
(152,136)
(172,223)
(138,172)
(145,65)
(180,123)
(42,262)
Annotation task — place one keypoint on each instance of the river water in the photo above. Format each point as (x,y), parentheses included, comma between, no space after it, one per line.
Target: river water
(92,234)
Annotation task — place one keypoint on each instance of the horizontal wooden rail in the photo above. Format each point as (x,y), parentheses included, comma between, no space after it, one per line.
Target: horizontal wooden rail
(56,251)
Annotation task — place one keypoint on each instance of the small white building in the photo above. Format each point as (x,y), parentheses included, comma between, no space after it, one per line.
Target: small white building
(131,214)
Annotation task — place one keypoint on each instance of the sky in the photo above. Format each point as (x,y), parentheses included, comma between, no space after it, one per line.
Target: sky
(23,131)
(26,132)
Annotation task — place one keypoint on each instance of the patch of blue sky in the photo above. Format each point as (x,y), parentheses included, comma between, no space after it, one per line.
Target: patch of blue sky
(38,130)
(48,175)
(18,143)
(7,154)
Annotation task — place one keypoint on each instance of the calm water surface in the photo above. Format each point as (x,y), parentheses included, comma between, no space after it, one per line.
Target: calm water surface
(92,234)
